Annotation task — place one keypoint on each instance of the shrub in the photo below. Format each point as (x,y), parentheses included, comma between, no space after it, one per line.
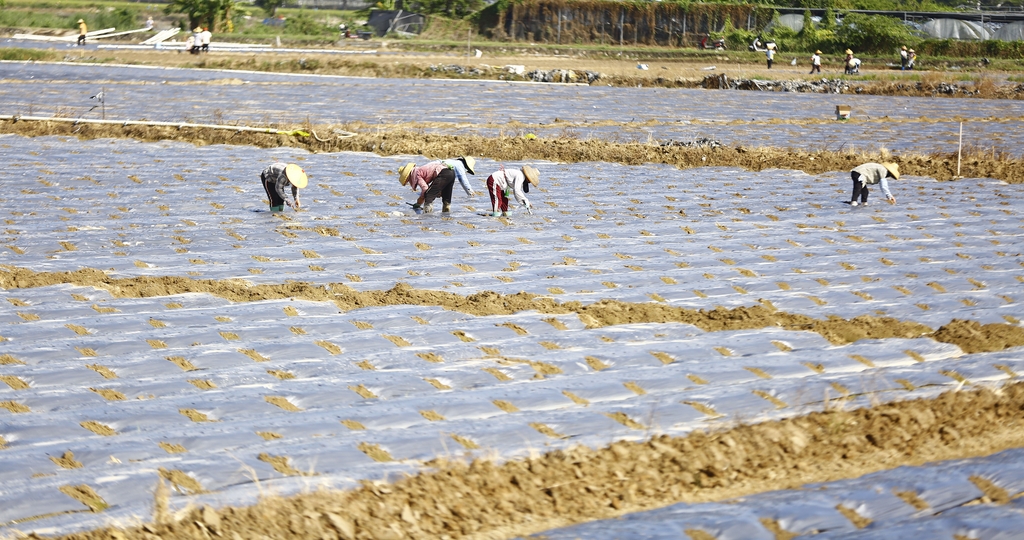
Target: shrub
(303,23)
(873,33)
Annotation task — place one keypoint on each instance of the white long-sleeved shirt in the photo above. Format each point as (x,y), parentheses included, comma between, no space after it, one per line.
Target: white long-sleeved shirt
(514,179)
(460,175)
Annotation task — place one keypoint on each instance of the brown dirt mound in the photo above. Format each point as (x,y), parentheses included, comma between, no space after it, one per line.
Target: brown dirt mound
(970,336)
(974,337)
(485,500)
(564,150)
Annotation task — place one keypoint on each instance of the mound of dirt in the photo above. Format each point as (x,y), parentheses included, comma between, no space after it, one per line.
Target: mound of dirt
(562,150)
(974,337)
(968,335)
(483,499)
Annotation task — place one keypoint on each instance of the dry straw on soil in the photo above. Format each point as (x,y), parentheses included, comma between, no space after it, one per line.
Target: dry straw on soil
(968,335)
(483,499)
(563,150)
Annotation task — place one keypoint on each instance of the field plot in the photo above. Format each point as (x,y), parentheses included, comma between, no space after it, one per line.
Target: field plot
(105,393)
(134,93)
(906,502)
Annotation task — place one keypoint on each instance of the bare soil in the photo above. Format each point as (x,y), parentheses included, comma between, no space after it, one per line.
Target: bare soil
(483,499)
(564,150)
(970,336)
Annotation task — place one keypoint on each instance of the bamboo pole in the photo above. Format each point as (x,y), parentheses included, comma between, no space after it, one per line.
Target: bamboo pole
(959,150)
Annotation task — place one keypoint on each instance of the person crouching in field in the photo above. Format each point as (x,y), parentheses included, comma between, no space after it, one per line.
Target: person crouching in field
(436,179)
(502,183)
(870,174)
(277,178)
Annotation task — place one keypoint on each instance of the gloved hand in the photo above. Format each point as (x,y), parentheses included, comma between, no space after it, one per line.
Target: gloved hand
(892,200)
(416,206)
(529,209)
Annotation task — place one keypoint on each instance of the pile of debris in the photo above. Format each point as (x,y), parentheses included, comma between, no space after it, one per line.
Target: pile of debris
(457,69)
(563,76)
(699,142)
(824,86)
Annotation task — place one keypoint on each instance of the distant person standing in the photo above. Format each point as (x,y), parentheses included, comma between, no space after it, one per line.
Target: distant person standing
(871,174)
(502,183)
(149,23)
(911,59)
(83,29)
(816,62)
(204,39)
(904,58)
(196,40)
(276,180)
(769,52)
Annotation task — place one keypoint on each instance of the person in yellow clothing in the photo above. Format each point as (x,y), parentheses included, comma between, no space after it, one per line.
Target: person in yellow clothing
(82,31)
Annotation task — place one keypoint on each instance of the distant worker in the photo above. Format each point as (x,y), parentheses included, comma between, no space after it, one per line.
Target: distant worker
(911,59)
(204,39)
(848,62)
(904,58)
(769,52)
(276,180)
(149,23)
(502,183)
(190,42)
(871,174)
(82,31)
(816,62)
(436,179)
(196,40)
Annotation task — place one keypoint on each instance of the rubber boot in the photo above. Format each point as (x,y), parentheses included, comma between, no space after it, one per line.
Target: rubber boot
(446,207)
(428,208)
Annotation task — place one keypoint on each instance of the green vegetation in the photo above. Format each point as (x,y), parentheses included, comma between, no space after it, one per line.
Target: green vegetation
(34,55)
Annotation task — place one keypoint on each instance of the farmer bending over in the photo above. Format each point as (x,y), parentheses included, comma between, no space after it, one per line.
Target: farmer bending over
(870,174)
(502,183)
(277,178)
(437,178)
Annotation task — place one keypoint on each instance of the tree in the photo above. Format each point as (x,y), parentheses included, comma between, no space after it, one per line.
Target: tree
(873,33)
(448,8)
(197,11)
(269,6)
(828,20)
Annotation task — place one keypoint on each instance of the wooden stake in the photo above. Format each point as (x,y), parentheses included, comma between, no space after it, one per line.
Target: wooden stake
(959,150)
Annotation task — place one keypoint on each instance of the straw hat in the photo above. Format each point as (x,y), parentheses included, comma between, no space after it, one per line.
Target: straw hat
(80,21)
(470,163)
(296,175)
(911,50)
(817,52)
(770,45)
(848,51)
(404,171)
(531,174)
(904,47)
(893,169)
